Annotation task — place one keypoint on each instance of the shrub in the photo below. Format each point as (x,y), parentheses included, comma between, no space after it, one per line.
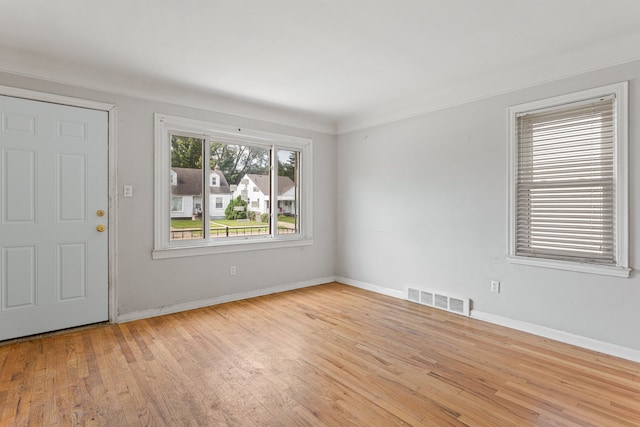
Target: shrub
(231,213)
(264,217)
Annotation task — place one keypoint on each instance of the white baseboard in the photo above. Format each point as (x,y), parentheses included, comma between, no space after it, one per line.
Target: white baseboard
(554,334)
(565,337)
(374,288)
(152,312)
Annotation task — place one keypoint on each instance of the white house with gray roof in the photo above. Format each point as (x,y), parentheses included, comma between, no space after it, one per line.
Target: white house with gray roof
(186,193)
(256,189)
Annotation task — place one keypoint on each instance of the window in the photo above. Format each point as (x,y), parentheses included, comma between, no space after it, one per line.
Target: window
(568,186)
(176,204)
(192,150)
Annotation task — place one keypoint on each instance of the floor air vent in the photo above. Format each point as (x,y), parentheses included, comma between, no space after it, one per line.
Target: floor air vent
(413,295)
(439,300)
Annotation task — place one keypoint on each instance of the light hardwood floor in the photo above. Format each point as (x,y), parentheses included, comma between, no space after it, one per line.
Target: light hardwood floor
(327,355)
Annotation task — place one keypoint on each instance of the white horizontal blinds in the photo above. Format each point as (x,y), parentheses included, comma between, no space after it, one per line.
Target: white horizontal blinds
(565,182)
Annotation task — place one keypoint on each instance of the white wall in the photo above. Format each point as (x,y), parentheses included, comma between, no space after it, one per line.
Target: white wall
(218,213)
(443,222)
(143,283)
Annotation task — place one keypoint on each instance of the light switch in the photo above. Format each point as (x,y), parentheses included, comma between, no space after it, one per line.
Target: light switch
(128,191)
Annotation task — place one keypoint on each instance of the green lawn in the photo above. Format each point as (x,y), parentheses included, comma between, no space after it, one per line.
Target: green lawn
(289,219)
(226,228)
(187,223)
(234,223)
(218,223)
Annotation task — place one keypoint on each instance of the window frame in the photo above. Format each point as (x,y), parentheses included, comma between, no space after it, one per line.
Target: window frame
(165,126)
(621,178)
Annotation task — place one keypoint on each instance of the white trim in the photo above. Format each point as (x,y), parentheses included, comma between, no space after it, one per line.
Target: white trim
(621,91)
(604,270)
(561,336)
(564,337)
(54,99)
(112,185)
(373,288)
(370,119)
(181,95)
(175,308)
(113,214)
(165,125)
(236,246)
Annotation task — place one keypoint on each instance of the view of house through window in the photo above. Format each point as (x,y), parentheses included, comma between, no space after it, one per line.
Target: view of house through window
(186,188)
(287,191)
(229,195)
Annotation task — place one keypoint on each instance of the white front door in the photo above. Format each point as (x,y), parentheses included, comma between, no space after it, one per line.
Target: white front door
(53,199)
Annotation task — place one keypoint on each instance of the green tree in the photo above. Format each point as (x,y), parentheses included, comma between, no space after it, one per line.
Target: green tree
(288,167)
(237,160)
(233,160)
(231,213)
(186,152)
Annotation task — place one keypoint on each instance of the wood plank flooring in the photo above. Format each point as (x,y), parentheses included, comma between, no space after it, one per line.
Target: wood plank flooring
(330,355)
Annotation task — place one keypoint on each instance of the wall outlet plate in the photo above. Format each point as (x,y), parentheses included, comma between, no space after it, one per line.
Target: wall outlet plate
(495,286)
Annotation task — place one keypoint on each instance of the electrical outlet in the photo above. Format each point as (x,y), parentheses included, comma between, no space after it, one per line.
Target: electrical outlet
(232,270)
(495,286)
(128,191)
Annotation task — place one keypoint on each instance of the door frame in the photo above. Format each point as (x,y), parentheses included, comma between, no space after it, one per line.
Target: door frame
(112,189)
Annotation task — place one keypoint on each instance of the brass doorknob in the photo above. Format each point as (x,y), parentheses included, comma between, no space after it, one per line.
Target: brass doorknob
(100,228)
(100,212)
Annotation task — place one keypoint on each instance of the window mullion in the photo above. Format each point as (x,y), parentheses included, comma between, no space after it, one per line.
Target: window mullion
(206,191)
(273,193)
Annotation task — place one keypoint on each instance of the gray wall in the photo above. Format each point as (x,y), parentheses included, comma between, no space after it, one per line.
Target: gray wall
(423,202)
(143,283)
(420,202)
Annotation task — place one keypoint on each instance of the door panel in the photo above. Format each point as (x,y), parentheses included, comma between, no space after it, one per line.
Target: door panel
(19,192)
(19,278)
(72,271)
(71,192)
(53,180)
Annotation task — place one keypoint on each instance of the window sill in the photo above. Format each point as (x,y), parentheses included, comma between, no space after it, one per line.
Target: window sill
(230,247)
(604,270)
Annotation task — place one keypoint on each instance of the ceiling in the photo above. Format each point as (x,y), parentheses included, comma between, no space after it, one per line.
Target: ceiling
(341,64)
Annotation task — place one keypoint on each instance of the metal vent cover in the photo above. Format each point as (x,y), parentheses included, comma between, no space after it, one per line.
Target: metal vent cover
(439,300)
(413,295)
(456,305)
(426,297)
(442,301)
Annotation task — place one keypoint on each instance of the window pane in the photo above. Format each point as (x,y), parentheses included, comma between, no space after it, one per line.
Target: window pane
(186,188)
(243,190)
(288,185)
(176,204)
